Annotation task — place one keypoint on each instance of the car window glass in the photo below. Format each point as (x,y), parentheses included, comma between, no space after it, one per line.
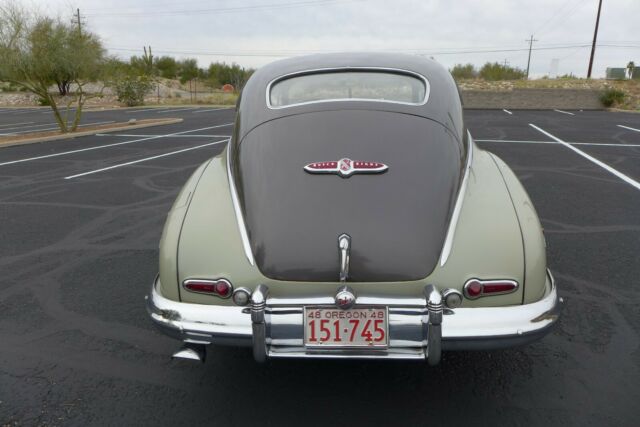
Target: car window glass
(348,85)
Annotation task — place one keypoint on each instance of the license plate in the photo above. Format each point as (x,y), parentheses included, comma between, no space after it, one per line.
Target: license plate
(355,327)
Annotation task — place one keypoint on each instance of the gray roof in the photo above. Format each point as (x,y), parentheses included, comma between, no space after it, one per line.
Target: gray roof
(443,105)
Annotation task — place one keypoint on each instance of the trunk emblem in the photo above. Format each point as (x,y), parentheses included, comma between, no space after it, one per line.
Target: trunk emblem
(346,167)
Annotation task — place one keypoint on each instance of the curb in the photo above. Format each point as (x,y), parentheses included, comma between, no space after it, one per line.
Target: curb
(88,133)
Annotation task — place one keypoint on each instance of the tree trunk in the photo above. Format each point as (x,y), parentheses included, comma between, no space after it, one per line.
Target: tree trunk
(62,124)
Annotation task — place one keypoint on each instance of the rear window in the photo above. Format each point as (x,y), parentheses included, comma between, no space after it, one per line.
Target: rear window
(358,85)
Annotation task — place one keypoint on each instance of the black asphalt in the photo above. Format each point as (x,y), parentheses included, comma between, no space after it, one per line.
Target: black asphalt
(78,255)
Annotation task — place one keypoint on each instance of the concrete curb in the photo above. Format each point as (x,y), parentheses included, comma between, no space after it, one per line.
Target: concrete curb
(89,132)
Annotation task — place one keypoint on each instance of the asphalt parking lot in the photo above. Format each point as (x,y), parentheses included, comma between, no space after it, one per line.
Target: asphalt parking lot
(80,222)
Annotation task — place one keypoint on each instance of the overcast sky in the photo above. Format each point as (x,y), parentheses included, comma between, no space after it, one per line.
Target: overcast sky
(256,32)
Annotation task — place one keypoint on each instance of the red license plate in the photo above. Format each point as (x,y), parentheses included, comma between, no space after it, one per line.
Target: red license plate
(355,327)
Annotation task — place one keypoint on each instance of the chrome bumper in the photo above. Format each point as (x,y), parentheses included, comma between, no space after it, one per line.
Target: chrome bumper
(419,328)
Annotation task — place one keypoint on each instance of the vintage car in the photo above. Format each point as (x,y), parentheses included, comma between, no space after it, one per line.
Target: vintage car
(351,215)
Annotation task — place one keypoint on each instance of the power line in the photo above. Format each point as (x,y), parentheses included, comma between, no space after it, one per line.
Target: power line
(221,10)
(283,53)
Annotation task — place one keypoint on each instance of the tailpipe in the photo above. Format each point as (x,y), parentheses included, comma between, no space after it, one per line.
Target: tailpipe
(191,351)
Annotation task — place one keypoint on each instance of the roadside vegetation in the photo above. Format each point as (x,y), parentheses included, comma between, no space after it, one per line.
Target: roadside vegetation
(39,52)
(64,67)
(622,94)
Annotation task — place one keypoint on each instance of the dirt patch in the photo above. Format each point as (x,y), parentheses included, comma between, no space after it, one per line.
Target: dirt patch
(84,131)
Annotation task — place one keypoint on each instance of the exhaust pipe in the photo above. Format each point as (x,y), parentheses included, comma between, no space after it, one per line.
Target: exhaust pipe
(191,351)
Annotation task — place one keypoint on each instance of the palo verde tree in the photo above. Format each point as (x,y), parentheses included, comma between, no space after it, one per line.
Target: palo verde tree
(38,52)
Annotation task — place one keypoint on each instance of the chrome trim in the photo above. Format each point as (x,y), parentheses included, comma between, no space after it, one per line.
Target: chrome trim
(448,292)
(427,86)
(312,168)
(191,352)
(241,290)
(242,228)
(489,282)
(451,230)
(258,324)
(344,245)
(431,326)
(275,326)
(345,297)
(188,281)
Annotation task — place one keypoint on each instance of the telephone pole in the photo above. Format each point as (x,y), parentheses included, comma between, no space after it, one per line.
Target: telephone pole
(531,40)
(595,37)
(78,20)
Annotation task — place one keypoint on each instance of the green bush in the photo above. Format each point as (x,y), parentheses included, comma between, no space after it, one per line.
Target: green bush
(611,96)
(44,102)
(131,90)
(496,71)
(460,72)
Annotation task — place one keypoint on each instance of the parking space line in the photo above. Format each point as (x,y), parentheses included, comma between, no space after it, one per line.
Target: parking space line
(553,142)
(565,112)
(108,145)
(210,109)
(604,166)
(627,127)
(51,128)
(15,124)
(178,109)
(145,159)
(162,136)
(147,109)
(507,111)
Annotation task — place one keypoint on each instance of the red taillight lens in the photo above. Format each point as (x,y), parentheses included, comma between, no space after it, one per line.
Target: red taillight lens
(219,287)
(475,288)
(498,287)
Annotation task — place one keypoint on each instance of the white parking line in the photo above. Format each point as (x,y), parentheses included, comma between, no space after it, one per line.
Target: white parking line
(144,160)
(51,128)
(553,142)
(565,112)
(146,109)
(162,136)
(15,124)
(210,109)
(627,127)
(507,111)
(109,145)
(178,109)
(604,166)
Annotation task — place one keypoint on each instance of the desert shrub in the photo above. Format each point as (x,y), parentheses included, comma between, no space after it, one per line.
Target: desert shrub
(611,96)
(44,102)
(496,71)
(467,71)
(131,90)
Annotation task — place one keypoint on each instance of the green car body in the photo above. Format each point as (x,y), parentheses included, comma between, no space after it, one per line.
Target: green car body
(492,235)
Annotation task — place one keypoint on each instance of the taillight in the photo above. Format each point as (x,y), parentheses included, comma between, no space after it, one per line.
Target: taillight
(218,287)
(475,288)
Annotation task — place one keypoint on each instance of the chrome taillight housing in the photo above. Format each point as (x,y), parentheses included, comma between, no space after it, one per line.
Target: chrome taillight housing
(476,288)
(219,287)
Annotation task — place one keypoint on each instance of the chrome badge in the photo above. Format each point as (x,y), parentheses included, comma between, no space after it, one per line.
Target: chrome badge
(346,167)
(345,298)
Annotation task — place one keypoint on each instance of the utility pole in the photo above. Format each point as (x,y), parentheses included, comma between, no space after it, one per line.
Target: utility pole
(78,20)
(506,63)
(531,40)
(595,37)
